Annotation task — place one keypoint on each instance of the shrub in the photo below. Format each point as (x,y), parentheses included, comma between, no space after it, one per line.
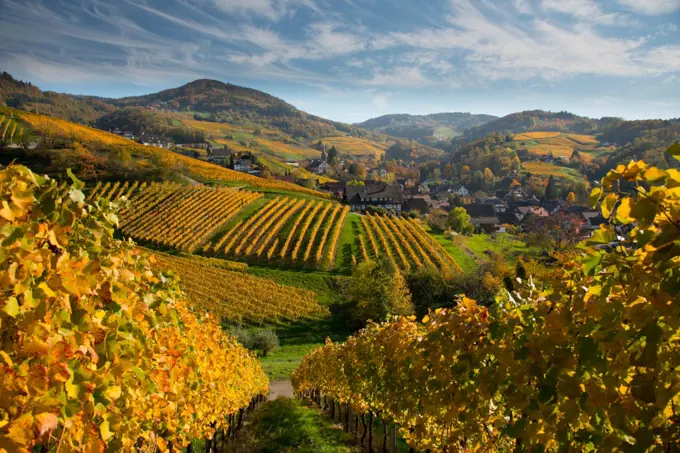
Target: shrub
(243,336)
(266,340)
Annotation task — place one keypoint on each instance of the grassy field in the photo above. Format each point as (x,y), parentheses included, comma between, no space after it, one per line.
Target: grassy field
(289,425)
(292,151)
(548,169)
(347,244)
(445,132)
(279,168)
(354,146)
(464,260)
(511,247)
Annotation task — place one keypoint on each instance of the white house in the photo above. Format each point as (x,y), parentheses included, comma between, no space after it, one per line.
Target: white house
(243,165)
(322,168)
(462,191)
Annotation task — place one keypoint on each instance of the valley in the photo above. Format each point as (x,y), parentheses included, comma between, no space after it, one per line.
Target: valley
(195,245)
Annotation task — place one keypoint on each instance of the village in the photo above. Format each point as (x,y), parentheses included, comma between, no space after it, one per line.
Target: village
(367,186)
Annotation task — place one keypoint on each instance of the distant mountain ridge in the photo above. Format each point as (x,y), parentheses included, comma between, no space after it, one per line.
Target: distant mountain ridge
(206,99)
(426,128)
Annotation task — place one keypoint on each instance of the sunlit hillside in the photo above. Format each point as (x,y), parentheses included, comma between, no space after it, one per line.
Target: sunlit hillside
(548,169)
(558,144)
(52,129)
(356,146)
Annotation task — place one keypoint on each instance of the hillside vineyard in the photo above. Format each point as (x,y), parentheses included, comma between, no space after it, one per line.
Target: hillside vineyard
(174,216)
(404,242)
(291,231)
(237,296)
(52,128)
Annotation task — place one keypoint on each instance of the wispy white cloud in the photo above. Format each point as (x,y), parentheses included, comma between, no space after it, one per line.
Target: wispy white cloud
(273,10)
(523,6)
(651,7)
(498,49)
(399,77)
(317,45)
(587,11)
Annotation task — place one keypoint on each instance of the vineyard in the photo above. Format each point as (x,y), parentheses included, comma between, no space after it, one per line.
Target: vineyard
(184,218)
(10,131)
(355,146)
(402,241)
(52,128)
(98,351)
(286,230)
(588,364)
(237,296)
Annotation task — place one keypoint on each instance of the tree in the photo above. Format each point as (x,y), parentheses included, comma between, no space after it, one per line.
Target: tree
(332,157)
(571,198)
(266,340)
(478,180)
(489,178)
(358,170)
(557,232)
(551,192)
(377,290)
(459,221)
(432,289)
(437,219)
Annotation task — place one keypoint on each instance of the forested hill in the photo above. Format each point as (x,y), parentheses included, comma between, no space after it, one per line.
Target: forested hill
(426,128)
(641,139)
(209,100)
(26,96)
(534,120)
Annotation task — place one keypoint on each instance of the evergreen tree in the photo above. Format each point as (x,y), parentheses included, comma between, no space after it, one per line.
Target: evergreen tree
(551,190)
(333,155)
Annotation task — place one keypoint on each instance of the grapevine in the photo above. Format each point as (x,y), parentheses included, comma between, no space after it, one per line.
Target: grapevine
(303,232)
(238,296)
(291,234)
(590,363)
(101,351)
(318,221)
(324,237)
(337,229)
(274,230)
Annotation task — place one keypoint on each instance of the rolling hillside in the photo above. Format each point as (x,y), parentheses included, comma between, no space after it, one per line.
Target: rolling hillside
(203,111)
(545,143)
(426,128)
(70,144)
(532,120)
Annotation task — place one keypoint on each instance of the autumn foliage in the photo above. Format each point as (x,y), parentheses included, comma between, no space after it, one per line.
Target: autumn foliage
(590,364)
(97,349)
(53,129)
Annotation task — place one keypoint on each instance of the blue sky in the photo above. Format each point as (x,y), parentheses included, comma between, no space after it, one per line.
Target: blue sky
(350,60)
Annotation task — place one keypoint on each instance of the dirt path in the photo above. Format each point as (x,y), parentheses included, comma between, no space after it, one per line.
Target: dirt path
(280,388)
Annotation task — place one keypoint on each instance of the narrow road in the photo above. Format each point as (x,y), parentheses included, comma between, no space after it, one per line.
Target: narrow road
(280,388)
(191,181)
